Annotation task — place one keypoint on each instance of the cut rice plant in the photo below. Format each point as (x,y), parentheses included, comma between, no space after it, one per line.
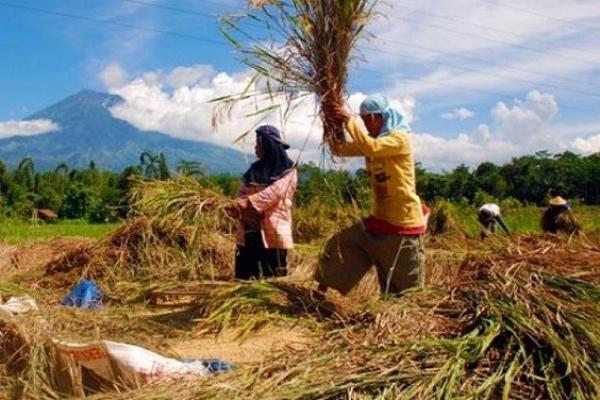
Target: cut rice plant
(181,203)
(315,222)
(247,307)
(442,219)
(520,324)
(144,252)
(179,231)
(307,51)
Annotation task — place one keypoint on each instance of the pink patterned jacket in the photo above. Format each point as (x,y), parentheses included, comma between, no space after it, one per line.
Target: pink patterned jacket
(274,202)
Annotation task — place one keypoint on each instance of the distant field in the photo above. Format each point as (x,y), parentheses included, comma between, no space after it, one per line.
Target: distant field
(519,220)
(15,231)
(527,219)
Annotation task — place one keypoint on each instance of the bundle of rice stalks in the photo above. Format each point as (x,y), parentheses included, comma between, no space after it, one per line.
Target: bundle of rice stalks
(442,219)
(247,307)
(316,222)
(181,232)
(308,49)
(559,222)
(25,360)
(567,224)
(181,203)
(523,324)
(145,252)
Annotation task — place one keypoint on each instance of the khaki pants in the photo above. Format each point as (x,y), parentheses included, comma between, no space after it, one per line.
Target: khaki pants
(350,254)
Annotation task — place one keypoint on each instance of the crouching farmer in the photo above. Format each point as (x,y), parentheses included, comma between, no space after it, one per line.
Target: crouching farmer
(559,218)
(489,217)
(391,239)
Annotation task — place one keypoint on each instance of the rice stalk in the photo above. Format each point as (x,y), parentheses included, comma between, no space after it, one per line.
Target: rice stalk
(308,50)
(521,324)
(247,307)
(180,231)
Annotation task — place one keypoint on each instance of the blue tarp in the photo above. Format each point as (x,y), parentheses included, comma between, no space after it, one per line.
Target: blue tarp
(213,365)
(85,295)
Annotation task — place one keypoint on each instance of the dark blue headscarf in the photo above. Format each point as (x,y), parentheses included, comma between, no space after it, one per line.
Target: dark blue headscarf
(275,162)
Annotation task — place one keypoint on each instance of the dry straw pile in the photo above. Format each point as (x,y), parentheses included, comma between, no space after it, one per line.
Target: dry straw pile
(520,324)
(179,231)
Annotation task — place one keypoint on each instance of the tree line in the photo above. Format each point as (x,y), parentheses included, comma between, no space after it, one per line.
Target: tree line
(100,195)
(93,194)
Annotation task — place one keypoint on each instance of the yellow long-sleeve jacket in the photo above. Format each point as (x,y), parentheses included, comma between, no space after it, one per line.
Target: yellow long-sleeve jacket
(391,169)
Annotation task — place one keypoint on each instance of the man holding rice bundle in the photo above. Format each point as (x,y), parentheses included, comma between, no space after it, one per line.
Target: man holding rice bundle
(392,238)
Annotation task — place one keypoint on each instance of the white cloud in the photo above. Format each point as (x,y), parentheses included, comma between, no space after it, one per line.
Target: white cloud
(521,128)
(527,121)
(447,47)
(113,76)
(587,146)
(461,113)
(439,153)
(178,103)
(27,128)
(188,76)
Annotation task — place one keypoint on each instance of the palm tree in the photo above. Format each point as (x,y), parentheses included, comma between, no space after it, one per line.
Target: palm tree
(26,173)
(163,168)
(149,162)
(62,170)
(194,169)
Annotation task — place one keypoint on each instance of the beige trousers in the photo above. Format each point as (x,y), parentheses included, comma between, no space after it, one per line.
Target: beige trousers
(350,254)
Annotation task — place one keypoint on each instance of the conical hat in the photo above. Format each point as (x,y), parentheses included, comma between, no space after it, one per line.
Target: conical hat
(557,201)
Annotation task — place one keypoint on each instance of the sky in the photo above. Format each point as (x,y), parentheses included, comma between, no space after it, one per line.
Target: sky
(478,79)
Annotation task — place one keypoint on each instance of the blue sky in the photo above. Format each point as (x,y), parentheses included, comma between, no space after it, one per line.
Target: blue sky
(479,79)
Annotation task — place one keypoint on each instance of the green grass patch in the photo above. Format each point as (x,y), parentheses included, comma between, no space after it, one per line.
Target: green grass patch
(18,232)
(526,219)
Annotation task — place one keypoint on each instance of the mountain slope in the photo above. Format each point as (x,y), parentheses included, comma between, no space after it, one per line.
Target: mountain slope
(89,132)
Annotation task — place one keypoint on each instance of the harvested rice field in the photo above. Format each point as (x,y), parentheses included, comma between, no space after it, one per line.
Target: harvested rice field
(150,309)
(505,317)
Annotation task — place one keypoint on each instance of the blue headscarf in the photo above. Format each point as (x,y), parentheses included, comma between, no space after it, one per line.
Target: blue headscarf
(392,119)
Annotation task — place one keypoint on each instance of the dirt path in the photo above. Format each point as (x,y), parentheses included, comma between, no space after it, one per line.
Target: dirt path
(253,349)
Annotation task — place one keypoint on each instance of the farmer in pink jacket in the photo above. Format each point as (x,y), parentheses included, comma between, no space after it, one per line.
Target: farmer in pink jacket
(264,208)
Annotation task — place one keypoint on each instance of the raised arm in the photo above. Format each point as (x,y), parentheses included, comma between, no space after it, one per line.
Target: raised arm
(348,149)
(393,144)
(503,224)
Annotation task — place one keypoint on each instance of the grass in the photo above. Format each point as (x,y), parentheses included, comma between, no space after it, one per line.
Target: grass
(526,219)
(15,231)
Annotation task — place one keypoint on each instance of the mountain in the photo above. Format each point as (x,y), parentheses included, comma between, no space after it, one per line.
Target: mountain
(88,131)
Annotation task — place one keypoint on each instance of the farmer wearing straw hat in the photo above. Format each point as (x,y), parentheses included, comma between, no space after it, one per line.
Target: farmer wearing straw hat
(489,217)
(558,217)
(264,208)
(392,238)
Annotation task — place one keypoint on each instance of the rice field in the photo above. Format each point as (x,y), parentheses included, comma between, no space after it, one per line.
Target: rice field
(14,231)
(525,220)
(506,317)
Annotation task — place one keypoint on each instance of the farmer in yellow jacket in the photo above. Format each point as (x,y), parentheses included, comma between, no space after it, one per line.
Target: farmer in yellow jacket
(392,238)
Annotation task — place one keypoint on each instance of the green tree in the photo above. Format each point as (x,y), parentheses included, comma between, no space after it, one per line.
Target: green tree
(194,169)
(149,164)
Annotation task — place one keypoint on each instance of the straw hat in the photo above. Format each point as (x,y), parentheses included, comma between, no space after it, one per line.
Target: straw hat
(557,201)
